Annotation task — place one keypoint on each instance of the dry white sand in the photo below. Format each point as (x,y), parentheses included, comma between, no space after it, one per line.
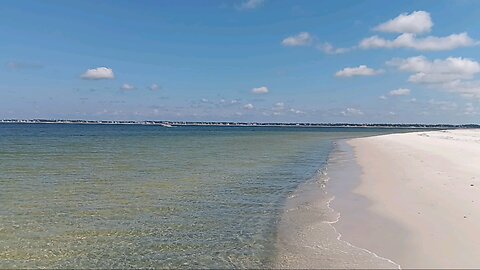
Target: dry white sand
(428,184)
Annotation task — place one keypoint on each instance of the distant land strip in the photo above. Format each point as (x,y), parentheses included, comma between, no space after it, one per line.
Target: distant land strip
(230,124)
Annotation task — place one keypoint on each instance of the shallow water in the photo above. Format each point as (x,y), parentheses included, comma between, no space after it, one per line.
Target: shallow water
(119,196)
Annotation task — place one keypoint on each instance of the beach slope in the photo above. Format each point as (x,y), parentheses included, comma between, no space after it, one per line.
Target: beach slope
(421,193)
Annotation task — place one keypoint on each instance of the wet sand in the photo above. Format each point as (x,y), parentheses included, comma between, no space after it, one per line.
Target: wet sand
(417,200)
(307,237)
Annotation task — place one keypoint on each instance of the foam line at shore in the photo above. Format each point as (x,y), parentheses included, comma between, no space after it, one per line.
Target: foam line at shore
(331,223)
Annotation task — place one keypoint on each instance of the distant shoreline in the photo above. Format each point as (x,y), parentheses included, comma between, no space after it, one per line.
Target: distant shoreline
(233,124)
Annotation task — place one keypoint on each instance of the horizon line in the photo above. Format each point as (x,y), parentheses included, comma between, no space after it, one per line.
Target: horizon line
(218,123)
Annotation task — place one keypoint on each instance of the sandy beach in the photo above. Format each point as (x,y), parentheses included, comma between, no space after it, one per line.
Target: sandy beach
(417,200)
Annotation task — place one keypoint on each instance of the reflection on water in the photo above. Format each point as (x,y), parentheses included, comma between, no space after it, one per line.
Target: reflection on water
(145,196)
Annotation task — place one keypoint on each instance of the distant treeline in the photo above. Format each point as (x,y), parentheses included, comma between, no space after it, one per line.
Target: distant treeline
(249,124)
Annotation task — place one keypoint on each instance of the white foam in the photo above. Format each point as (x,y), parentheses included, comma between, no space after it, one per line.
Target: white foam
(339,237)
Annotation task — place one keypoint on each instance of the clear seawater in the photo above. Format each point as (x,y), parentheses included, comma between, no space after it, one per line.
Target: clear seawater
(130,196)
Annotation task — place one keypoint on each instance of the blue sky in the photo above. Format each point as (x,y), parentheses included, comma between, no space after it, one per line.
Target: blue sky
(241,60)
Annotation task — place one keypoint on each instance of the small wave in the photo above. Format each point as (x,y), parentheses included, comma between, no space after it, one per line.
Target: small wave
(338,215)
(339,237)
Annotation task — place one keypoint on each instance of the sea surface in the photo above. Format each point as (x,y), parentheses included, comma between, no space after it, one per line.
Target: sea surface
(132,196)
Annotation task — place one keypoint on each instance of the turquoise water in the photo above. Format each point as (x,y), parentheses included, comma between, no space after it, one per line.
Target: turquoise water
(120,196)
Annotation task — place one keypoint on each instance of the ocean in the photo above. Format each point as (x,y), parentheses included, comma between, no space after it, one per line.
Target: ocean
(133,196)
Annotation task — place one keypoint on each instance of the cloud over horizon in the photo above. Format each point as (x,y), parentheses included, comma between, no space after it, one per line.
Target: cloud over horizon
(453,74)
(260,90)
(100,73)
(352,112)
(127,87)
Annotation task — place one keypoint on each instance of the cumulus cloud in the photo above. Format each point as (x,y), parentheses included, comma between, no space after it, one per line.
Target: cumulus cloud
(415,22)
(438,70)
(248,106)
(400,92)
(154,87)
(100,73)
(127,87)
(468,89)
(411,41)
(351,112)
(453,74)
(250,4)
(302,39)
(361,70)
(260,90)
(410,26)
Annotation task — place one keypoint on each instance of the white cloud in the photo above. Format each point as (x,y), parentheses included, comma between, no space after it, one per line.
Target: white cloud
(410,26)
(127,87)
(468,89)
(361,70)
(438,70)
(400,92)
(410,41)
(329,49)
(382,97)
(100,73)
(351,112)
(415,22)
(453,74)
(280,104)
(250,4)
(260,90)
(302,39)
(248,106)
(295,111)
(154,87)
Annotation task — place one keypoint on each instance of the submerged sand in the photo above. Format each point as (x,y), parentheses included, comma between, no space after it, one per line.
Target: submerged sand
(417,201)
